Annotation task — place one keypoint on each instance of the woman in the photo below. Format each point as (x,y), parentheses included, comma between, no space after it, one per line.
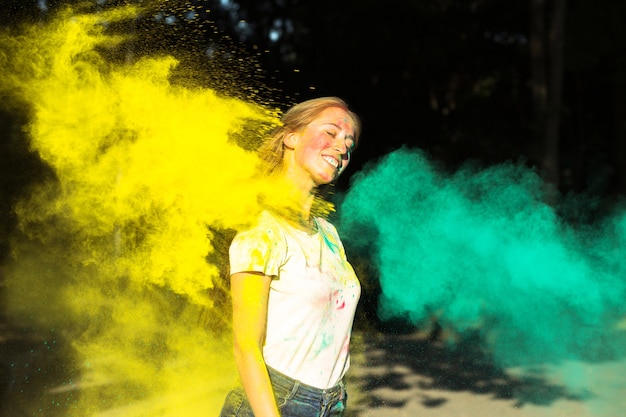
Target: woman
(294,293)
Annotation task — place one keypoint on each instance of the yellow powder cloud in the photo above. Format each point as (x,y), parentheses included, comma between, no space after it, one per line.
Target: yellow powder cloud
(112,253)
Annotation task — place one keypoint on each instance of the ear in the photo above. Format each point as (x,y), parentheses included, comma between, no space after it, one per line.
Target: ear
(290,140)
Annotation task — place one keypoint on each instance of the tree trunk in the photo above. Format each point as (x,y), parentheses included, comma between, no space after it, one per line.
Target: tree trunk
(619,123)
(555,89)
(546,56)
(538,66)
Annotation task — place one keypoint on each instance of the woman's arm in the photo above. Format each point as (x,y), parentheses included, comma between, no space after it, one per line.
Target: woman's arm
(250,293)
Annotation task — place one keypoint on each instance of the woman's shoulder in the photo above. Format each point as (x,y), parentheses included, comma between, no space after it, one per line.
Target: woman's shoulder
(274,221)
(262,219)
(264,223)
(266,217)
(326,226)
(264,232)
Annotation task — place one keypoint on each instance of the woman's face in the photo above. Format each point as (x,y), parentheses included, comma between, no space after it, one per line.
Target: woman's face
(322,149)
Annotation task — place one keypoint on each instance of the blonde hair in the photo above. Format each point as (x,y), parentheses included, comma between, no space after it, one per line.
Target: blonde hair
(271,152)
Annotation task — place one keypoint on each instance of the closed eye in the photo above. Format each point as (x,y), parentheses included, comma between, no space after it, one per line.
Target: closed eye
(350,145)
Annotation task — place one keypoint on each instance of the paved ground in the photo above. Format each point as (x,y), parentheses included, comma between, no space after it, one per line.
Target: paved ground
(408,376)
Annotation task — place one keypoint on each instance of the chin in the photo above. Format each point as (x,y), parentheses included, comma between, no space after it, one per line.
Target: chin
(325,182)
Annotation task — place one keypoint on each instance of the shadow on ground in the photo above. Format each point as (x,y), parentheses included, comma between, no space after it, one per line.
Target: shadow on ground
(393,369)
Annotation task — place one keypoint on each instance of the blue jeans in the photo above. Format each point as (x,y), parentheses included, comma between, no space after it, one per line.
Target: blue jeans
(294,399)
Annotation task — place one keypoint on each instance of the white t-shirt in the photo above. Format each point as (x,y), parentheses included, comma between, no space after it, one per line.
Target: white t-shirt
(312,300)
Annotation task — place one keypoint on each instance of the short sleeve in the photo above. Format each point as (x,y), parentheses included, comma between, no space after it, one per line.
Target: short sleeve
(259,249)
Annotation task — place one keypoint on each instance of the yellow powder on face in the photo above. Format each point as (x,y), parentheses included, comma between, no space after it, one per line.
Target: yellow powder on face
(113,253)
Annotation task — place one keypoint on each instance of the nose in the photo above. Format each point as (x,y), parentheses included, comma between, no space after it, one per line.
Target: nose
(340,145)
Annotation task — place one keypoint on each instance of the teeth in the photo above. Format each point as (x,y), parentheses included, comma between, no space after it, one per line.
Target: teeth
(331,161)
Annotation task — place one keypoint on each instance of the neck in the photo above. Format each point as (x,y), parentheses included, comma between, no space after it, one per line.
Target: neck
(301,191)
(294,201)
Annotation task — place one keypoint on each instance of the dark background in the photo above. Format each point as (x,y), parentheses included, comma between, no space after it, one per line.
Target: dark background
(487,81)
(542,81)
(455,78)
(482,81)
(458,79)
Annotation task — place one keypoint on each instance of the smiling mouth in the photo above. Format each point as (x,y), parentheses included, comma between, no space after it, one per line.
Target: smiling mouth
(332,161)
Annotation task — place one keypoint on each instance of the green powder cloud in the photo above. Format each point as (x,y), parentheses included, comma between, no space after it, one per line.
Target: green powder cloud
(481,249)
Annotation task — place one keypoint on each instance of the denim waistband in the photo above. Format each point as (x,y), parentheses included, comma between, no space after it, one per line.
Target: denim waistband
(328,395)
